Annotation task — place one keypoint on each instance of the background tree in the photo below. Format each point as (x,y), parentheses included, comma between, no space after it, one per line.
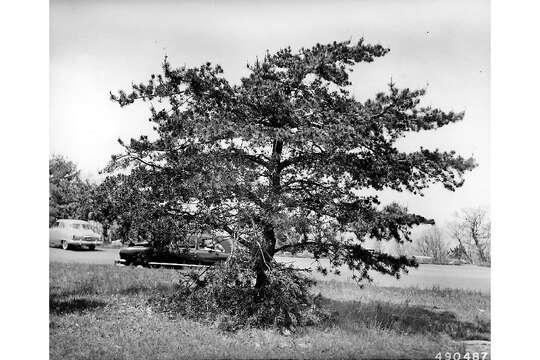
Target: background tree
(431,243)
(69,195)
(282,158)
(132,204)
(459,252)
(472,230)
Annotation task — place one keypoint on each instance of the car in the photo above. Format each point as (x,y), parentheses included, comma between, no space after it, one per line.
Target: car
(70,233)
(203,253)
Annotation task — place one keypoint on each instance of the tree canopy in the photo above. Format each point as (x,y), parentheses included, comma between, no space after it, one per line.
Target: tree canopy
(282,159)
(131,204)
(68,192)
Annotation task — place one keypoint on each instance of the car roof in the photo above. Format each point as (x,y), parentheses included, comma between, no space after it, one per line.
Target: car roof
(73,221)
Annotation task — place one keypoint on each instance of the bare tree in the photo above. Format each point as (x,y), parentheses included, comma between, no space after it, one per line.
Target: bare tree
(431,243)
(462,250)
(471,229)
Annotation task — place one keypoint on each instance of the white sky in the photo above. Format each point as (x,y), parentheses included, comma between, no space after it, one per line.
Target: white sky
(102,46)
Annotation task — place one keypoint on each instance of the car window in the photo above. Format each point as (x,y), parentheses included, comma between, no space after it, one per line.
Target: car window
(61,225)
(81,226)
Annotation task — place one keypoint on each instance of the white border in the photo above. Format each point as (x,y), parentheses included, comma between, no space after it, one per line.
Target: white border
(515,205)
(515,210)
(24,145)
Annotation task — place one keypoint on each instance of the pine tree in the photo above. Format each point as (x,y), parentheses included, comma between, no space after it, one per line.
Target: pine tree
(281,160)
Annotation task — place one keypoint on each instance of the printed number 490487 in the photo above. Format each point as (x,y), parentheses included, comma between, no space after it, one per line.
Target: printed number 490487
(466,356)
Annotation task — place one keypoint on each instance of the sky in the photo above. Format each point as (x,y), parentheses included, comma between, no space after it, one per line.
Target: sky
(102,46)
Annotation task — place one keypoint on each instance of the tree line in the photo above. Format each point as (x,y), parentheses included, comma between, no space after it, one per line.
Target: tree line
(467,238)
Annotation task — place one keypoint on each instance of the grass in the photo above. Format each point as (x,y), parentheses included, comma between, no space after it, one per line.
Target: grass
(102,312)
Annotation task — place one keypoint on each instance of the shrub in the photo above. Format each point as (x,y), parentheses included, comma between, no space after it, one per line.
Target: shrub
(226,296)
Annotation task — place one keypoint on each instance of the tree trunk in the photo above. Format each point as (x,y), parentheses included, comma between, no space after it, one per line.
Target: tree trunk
(262,278)
(265,255)
(479,248)
(105,232)
(464,250)
(267,249)
(475,234)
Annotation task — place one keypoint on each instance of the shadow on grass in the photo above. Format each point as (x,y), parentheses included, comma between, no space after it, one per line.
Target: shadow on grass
(351,316)
(88,288)
(159,289)
(79,298)
(59,305)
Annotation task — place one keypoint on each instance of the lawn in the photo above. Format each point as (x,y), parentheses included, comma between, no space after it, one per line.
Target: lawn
(102,312)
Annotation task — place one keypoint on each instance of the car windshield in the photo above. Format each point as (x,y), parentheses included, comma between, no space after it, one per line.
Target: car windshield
(81,226)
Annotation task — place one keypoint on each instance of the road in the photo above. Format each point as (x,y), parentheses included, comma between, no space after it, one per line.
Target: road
(99,256)
(467,277)
(426,276)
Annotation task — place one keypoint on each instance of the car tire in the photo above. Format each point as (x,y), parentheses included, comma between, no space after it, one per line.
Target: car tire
(92,247)
(65,245)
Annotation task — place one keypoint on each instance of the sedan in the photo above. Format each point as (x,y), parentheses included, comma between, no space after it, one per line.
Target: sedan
(69,233)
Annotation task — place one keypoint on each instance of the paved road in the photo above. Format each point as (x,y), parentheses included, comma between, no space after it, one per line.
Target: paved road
(468,277)
(98,256)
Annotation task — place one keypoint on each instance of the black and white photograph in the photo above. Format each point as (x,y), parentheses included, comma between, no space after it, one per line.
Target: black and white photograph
(269,179)
(266,180)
